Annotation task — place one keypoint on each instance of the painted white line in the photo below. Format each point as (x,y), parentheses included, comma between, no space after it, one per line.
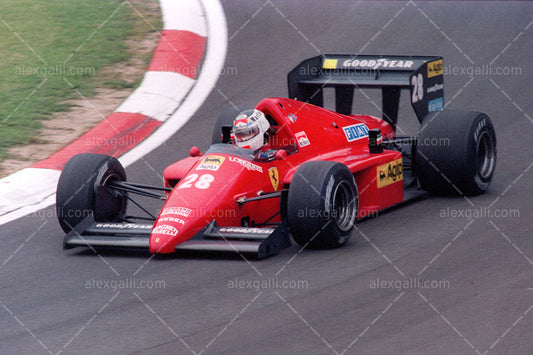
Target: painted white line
(34,189)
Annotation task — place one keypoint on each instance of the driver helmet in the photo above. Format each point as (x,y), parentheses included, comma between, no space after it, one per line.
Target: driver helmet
(249,129)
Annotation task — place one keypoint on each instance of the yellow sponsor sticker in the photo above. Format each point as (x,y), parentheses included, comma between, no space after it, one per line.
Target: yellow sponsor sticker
(211,162)
(390,173)
(435,68)
(274,177)
(330,64)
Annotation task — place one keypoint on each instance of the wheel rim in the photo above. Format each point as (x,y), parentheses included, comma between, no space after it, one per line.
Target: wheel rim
(344,206)
(486,155)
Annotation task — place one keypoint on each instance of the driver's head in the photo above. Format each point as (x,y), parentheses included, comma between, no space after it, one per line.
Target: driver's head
(249,129)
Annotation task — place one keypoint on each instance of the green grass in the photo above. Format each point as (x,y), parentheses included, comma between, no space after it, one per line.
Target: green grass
(52,51)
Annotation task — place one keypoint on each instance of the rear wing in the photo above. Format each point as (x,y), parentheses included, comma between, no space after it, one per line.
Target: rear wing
(421,74)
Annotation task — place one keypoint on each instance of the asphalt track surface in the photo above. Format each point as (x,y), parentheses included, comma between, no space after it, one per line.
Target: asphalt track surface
(56,301)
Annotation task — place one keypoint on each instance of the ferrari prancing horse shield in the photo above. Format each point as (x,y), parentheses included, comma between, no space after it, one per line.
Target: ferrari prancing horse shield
(274,177)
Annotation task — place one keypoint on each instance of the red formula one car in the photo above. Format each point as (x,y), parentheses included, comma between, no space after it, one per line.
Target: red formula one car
(324,170)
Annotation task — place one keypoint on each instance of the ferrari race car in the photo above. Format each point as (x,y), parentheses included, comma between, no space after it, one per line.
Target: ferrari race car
(326,169)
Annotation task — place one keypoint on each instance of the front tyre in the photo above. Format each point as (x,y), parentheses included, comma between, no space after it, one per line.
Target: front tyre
(456,152)
(322,204)
(81,190)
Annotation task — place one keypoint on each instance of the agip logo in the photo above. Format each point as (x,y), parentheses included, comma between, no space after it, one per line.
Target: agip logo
(390,173)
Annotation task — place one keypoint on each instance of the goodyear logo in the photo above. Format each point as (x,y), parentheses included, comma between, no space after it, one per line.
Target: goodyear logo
(355,132)
(374,64)
(330,64)
(435,68)
(390,173)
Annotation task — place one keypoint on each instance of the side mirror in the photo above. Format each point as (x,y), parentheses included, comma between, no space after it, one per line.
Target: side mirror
(194,152)
(281,154)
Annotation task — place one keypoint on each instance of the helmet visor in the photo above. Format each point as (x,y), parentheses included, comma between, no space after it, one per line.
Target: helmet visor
(245,133)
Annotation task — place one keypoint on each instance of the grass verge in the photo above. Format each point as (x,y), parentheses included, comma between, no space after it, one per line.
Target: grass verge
(53,51)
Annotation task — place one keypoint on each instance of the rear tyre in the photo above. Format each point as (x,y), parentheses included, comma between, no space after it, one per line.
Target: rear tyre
(225,118)
(322,204)
(456,153)
(81,190)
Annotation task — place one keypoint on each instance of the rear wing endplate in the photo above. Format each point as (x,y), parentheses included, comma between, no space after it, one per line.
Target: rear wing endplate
(422,75)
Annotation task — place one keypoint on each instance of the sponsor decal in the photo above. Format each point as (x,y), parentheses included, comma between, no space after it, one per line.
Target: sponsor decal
(247,164)
(292,117)
(123,225)
(165,229)
(244,230)
(330,64)
(435,88)
(172,219)
(435,68)
(436,104)
(355,132)
(211,162)
(390,173)
(274,177)
(176,211)
(302,139)
(243,120)
(376,63)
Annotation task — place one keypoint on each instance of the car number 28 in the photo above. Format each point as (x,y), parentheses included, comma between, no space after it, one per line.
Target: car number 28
(199,181)
(418,88)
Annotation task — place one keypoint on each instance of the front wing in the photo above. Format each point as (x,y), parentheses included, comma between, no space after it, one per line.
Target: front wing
(260,242)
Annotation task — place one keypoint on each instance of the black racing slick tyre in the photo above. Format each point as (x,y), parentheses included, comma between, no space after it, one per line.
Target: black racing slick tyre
(322,204)
(455,153)
(81,191)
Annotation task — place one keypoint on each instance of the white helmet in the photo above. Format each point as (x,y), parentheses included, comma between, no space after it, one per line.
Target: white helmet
(249,129)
